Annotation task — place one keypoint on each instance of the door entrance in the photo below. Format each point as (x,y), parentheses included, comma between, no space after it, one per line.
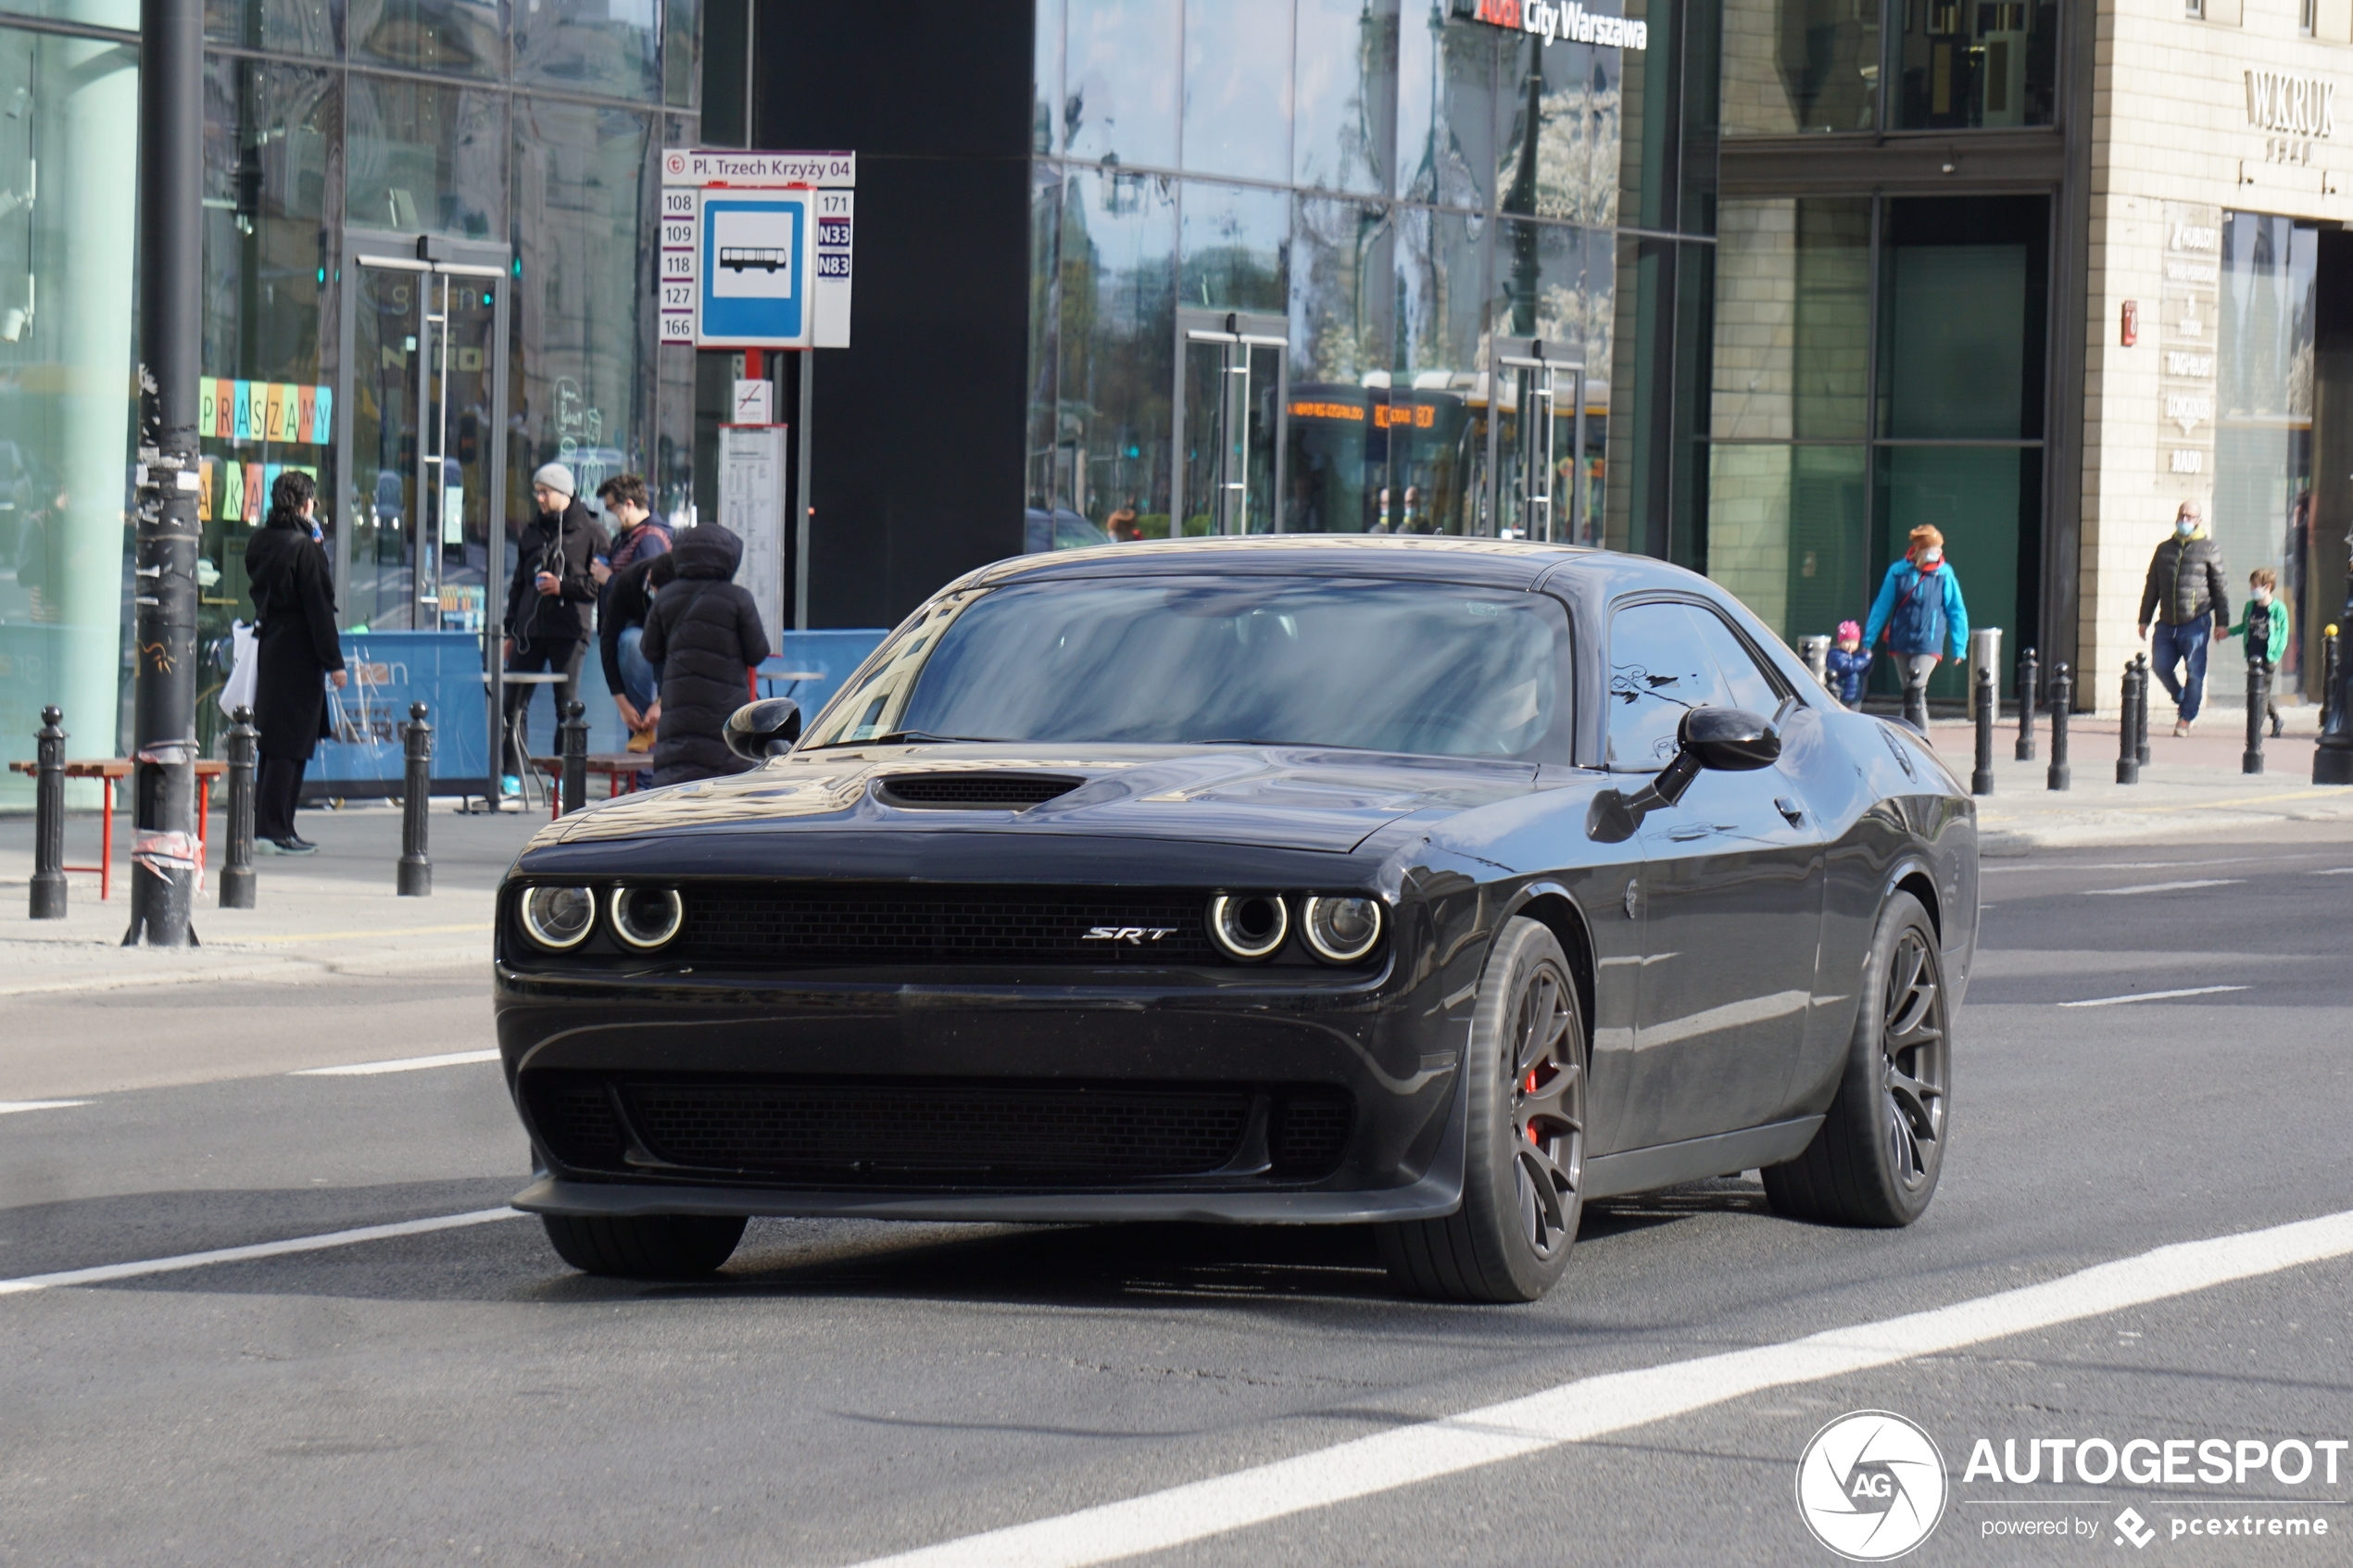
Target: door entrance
(422,443)
(1233,382)
(1536,434)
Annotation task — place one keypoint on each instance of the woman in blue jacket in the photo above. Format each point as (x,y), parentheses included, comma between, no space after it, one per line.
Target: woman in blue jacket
(1920,613)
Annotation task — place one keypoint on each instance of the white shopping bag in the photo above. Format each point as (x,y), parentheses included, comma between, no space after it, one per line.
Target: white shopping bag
(243,670)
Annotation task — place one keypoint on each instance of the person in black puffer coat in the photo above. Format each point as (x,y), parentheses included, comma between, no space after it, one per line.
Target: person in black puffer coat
(704,634)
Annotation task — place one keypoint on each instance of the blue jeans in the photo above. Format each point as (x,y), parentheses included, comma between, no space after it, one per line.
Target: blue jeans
(2182,645)
(641,682)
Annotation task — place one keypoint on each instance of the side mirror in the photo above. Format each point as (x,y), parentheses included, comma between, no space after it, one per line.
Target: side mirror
(759,730)
(1728,740)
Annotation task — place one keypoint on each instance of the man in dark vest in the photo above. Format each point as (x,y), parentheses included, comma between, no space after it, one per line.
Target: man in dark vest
(2190,601)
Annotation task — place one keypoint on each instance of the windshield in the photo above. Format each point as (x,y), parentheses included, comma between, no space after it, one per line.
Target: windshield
(1432,667)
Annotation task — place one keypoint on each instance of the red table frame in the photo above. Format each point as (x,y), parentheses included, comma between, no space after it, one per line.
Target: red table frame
(109,769)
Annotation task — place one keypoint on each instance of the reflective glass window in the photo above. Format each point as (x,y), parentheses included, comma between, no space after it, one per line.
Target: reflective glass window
(1659,670)
(289,27)
(1557,130)
(1987,501)
(1967,63)
(1344,95)
(1792,321)
(1789,532)
(1119,81)
(1046,76)
(582,182)
(466,37)
(1962,298)
(1236,247)
(681,56)
(1792,66)
(1113,418)
(1428,448)
(1238,88)
(1045,334)
(272,135)
(1446,109)
(426,158)
(123,14)
(609,47)
(68,158)
(2262,335)
(1745,685)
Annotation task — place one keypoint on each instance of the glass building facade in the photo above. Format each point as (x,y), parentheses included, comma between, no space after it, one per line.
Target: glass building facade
(427,222)
(1348,265)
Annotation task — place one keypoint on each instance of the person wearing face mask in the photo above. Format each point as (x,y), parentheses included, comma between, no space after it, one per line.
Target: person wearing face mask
(2188,600)
(2264,625)
(1920,614)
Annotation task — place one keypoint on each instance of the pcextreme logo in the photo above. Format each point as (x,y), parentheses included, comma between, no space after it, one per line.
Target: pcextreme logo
(1870,1486)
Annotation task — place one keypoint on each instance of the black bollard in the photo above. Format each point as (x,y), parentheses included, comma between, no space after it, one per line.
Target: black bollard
(2030,688)
(2258,685)
(2062,692)
(415,877)
(2140,708)
(2128,740)
(49,818)
(575,755)
(236,871)
(1982,780)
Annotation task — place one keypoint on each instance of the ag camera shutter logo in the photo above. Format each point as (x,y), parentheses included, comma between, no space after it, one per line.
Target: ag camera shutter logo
(1870,1486)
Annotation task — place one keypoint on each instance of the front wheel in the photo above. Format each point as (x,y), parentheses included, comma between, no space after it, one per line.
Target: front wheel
(653,1247)
(1524,1160)
(1880,1151)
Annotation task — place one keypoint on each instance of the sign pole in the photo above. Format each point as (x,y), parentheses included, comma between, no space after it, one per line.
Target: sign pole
(165,847)
(804,516)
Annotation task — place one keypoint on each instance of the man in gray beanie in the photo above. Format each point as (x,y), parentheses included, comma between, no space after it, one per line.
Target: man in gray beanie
(549,603)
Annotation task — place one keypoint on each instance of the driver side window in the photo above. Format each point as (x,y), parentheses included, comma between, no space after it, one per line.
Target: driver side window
(1659,670)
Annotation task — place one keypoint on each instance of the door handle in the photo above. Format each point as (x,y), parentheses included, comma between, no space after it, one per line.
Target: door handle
(1790,810)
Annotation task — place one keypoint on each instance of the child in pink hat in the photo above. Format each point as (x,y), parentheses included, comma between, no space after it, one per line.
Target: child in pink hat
(1849,662)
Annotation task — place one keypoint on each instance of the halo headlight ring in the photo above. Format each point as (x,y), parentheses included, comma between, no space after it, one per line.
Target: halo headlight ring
(647,917)
(1249,927)
(558,919)
(1341,928)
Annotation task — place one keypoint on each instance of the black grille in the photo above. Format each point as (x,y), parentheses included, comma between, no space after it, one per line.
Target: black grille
(950,925)
(1311,1132)
(909,1132)
(974,792)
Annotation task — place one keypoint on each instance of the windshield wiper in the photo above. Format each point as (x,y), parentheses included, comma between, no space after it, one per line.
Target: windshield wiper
(898,737)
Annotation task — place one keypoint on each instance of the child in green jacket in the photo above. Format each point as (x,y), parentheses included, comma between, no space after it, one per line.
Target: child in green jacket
(2264,626)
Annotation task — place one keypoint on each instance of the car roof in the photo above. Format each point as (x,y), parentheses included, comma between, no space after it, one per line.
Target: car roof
(1499,562)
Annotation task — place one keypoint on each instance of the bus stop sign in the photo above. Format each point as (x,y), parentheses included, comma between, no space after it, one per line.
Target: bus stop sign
(755,270)
(756,248)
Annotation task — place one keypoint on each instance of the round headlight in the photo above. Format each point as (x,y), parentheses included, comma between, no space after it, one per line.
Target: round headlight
(1248,926)
(559,918)
(647,917)
(1341,930)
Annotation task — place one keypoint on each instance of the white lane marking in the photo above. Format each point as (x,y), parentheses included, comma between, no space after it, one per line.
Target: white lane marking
(2164,887)
(106,1271)
(2333,870)
(10,1106)
(2153,997)
(404,1064)
(1594,1407)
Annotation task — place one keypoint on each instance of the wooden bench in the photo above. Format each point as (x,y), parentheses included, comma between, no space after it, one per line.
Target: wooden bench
(109,769)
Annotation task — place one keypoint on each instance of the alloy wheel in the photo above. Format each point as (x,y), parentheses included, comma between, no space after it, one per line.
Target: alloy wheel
(1548,1111)
(1914,1060)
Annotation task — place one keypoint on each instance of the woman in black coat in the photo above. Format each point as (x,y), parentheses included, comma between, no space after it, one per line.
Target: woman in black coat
(294,598)
(704,634)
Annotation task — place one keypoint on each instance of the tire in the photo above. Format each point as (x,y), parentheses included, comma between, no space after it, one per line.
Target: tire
(656,1246)
(1876,1159)
(1523,1158)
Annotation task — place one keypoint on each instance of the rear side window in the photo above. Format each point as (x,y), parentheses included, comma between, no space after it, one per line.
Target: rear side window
(1659,670)
(1746,684)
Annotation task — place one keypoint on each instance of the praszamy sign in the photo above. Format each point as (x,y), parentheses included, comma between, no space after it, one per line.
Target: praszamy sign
(1554,23)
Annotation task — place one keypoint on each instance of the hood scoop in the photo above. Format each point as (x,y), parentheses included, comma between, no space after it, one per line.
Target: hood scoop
(972,791)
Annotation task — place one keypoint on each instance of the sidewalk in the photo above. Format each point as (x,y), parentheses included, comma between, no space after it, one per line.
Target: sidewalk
(2193,788)
(331,913)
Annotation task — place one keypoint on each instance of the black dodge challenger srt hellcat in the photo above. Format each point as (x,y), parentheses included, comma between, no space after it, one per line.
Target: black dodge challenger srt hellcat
(1430,884)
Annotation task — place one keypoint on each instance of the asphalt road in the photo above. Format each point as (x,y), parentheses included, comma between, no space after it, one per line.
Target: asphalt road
(851,1390)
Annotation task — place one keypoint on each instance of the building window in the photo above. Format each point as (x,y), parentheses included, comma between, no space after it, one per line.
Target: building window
(2194,9)
(2304,17)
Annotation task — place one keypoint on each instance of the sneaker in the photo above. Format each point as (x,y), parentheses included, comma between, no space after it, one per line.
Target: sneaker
(2181,728)
(294,846)
(2279,728)
(509,785)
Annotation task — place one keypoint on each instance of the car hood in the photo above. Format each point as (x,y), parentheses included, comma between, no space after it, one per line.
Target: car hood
(1281,798)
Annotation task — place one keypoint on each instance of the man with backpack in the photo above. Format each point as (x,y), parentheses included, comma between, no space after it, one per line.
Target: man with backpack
(1920,613)
(2189,602)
